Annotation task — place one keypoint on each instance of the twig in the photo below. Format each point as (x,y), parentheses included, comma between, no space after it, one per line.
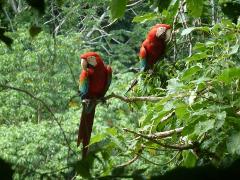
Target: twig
(9,19)
(173,36)
(164,134)
(163,163)
(165,118)
(183,19)
(106,49)
(134,159)
(134,99)
(130,161)
(135,3)
(111,23)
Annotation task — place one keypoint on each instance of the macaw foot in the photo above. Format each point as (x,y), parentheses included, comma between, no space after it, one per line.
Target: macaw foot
(86,101)
(151,71)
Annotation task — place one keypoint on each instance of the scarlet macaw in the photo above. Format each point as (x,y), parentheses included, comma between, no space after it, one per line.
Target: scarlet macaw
(152,48)
(94,82)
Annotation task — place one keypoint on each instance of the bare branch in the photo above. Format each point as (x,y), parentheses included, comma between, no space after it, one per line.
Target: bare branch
(130,161)
(164,134)
(134,99)
(134,4)
(9,19)
(185,25)
(165,118)
(163,163)
(137,155)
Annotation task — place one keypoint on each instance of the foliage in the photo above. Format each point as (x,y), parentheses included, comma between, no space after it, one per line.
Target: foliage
(193,121)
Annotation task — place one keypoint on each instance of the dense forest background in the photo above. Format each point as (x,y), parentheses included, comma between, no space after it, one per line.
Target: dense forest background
(186,114)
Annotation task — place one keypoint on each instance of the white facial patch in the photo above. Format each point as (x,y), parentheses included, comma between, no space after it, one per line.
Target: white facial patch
(160,31)
(92,61)
(84,64)
(168,34)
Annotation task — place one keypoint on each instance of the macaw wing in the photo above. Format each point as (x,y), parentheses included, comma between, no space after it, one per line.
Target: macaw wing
(109,78)
(83,84)
(143,58)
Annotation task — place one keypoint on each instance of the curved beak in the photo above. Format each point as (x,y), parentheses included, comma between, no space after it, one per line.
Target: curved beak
(84,64)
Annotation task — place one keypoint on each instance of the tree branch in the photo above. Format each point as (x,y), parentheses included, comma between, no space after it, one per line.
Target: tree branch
(134,99)
(164,134)
(174,146)
(130,161)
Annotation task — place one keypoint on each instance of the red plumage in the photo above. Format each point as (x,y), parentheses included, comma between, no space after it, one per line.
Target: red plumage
(95,80)
(153,47)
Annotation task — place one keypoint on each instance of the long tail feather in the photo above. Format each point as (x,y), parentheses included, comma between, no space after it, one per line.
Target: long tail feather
(85,127)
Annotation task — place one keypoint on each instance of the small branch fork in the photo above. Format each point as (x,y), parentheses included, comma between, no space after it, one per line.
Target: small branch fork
(159,135)
(153,137)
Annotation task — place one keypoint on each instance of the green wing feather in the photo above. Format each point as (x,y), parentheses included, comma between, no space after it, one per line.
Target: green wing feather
(83,84)
(143,64)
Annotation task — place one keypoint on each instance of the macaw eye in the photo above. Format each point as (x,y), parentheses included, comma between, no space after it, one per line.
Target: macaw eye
(92,61)
(160,31)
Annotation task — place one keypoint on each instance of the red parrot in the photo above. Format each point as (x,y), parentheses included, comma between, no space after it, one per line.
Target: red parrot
(94,82)
(153,48)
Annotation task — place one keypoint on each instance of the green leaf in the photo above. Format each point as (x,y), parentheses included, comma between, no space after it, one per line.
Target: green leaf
(197,56)
(187,31)
(189,159)
(112,131)
(174,85)
(181,111)
(118,8)
(233,143)
(144,18)
(228,75)
(190,29)
(97,138)
(220,119)
(190,72)
(195,7)
(234,49)
(204,126)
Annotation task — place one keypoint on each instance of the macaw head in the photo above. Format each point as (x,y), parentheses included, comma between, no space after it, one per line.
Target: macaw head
(90,60)
(163,31)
